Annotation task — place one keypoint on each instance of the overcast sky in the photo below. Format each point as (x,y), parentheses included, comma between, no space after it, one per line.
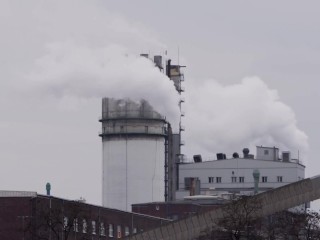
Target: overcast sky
(251,78)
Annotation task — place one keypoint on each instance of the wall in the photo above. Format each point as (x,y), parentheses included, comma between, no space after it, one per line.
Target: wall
(37,212)
(133,171)
(228,168)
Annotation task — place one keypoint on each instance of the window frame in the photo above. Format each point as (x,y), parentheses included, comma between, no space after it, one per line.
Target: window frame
(264,179)
(233,179)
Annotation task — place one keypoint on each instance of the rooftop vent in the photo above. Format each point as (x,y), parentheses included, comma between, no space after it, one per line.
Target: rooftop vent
(197,158)
(245,152)
(286,156)
(235,155)
(221,156)
(251,156)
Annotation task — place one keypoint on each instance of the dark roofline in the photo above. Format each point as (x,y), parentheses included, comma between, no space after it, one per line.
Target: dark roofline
(97,206)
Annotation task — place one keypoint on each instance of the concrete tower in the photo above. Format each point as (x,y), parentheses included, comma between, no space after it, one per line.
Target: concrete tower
(134,153)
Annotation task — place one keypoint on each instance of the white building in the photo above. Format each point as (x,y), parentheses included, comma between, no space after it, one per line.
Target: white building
(236,175)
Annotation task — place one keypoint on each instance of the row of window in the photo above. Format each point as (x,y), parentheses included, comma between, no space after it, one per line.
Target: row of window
(240,179)
(102,230)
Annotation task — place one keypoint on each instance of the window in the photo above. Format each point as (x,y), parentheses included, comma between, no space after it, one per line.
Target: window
(126,231)
(241,179)
(118,231)
(122,129)
(110,230)
(75,225)
(102,229)
(84,226)
(65,222)
(218,179)
(266,152)
(134,230)
(146,129)
(264,179)
(211,179)
(233,179)
(279,178)
(93,224)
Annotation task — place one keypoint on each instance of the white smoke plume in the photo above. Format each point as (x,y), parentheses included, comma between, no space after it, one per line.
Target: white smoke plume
(227,118)
(69,71)
(75,50)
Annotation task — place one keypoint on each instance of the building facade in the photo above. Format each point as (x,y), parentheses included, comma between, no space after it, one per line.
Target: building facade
(235,175)
(176,210)
(29,216)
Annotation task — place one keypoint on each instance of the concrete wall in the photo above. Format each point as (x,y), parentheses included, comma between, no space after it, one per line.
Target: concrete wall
(133,172)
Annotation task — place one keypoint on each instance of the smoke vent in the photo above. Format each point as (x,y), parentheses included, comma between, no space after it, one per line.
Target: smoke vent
(286,156)
(245,152)
(221,156)
(197,158)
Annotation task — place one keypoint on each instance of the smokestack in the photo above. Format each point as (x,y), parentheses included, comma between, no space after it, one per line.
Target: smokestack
(48,188)
(256,176)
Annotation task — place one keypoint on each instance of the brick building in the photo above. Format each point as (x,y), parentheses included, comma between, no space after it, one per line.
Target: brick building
(180,209)
(27,215)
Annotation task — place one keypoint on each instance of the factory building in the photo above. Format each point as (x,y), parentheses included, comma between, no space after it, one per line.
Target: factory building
(236,175)
(28,215)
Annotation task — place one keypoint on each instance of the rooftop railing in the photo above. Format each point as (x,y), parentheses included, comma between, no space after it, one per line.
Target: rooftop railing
(132,114)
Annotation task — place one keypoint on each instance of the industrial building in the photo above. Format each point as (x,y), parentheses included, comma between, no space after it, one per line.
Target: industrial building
(28,215)
(142,168)
(143,162)
(236,175)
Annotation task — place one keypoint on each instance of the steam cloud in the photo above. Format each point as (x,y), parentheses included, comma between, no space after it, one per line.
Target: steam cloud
(88,57)
(247,114)
(70,70)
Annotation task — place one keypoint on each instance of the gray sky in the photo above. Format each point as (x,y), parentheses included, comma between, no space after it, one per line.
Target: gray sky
(58,58)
